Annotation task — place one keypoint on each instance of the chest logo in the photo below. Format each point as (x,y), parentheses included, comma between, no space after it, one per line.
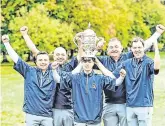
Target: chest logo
(94,86)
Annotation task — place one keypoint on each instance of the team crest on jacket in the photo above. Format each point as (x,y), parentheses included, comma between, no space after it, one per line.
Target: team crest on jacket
(94,86)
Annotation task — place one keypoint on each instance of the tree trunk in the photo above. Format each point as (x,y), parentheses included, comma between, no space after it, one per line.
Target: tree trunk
(4,57)
(71,53)
(30,57)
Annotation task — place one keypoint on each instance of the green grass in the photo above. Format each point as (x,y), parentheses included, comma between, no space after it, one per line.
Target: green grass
(12,96)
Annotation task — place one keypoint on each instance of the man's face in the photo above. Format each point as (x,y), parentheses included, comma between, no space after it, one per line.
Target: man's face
(114,48)
(42,61)
(87,63)
(60,55)
(137,49)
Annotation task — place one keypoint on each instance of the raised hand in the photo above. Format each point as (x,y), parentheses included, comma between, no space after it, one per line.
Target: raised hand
(122,73)
(54,65)
(24,30)
(5,38)
(160,28)
(100,43)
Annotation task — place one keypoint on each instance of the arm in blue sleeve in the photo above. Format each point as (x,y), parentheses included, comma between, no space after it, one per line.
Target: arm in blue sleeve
(116,72)
(65,80)
(73,63)
(21,67)
(108,83)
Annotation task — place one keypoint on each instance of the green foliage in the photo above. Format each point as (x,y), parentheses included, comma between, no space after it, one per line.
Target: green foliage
(53,23)
(47,33)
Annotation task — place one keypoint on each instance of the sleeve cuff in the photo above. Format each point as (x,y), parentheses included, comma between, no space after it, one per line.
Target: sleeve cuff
(156,35)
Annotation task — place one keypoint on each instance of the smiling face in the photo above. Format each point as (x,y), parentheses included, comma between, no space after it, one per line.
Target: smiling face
(42,61)
(60,55)
(138,48)
(114,48)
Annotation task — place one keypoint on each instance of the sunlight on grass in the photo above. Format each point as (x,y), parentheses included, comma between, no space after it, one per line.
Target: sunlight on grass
(12,96)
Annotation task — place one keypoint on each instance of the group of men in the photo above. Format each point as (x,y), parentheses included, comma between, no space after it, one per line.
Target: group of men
(70,93)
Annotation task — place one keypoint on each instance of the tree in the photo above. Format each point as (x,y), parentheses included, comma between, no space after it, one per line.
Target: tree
(62,19)
(47,33)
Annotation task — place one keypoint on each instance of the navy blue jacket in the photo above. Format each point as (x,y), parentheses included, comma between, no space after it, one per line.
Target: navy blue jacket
(39,89)
(119,96)
(87,94)
(63,99)
(139,81)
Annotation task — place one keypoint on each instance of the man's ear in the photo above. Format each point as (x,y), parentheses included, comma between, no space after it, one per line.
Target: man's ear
(122,48)
(53,57)
(66,57)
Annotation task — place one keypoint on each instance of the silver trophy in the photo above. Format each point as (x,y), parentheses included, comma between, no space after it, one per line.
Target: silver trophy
(88,40)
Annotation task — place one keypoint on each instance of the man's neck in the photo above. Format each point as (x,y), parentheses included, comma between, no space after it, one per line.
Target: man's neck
(88,72)
(116,58)
(138,59)
(43,71)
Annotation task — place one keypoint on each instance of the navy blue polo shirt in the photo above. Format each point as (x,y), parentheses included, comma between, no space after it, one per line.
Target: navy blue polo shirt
(39,89)
(63,99)
(139,81)
(87,94)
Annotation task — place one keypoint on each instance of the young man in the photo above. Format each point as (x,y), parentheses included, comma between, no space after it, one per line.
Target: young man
(87,88)
(139,83)
(39,88)
(114,112)
(62,106)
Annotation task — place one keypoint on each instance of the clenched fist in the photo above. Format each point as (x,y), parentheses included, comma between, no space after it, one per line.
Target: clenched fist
(160,28)
(5,38)
(101,42)
(24,30)
(122,73)
(54,65)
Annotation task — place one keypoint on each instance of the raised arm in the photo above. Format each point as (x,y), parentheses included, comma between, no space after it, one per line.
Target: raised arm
(56,76)
(105,71)
(77,69)
(120,80)
(29,42)
(156,57)
(14,56)
(100,43)
(150,41)
(109,83)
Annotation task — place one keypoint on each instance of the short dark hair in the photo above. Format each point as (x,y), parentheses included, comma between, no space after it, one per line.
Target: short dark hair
(40,53)
(137,39)
(87,58)
(114,39)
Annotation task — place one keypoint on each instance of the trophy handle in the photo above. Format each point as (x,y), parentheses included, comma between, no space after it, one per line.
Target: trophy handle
(78,37)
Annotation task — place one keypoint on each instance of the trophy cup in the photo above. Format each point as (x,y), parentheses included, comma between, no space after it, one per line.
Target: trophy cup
(88,40)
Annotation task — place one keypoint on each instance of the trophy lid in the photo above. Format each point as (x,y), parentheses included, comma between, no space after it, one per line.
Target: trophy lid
(89,31)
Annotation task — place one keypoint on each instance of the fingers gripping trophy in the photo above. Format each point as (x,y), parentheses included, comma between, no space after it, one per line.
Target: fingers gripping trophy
(87,41)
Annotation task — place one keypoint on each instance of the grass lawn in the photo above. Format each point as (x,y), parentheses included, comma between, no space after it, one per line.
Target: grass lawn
(12,96)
